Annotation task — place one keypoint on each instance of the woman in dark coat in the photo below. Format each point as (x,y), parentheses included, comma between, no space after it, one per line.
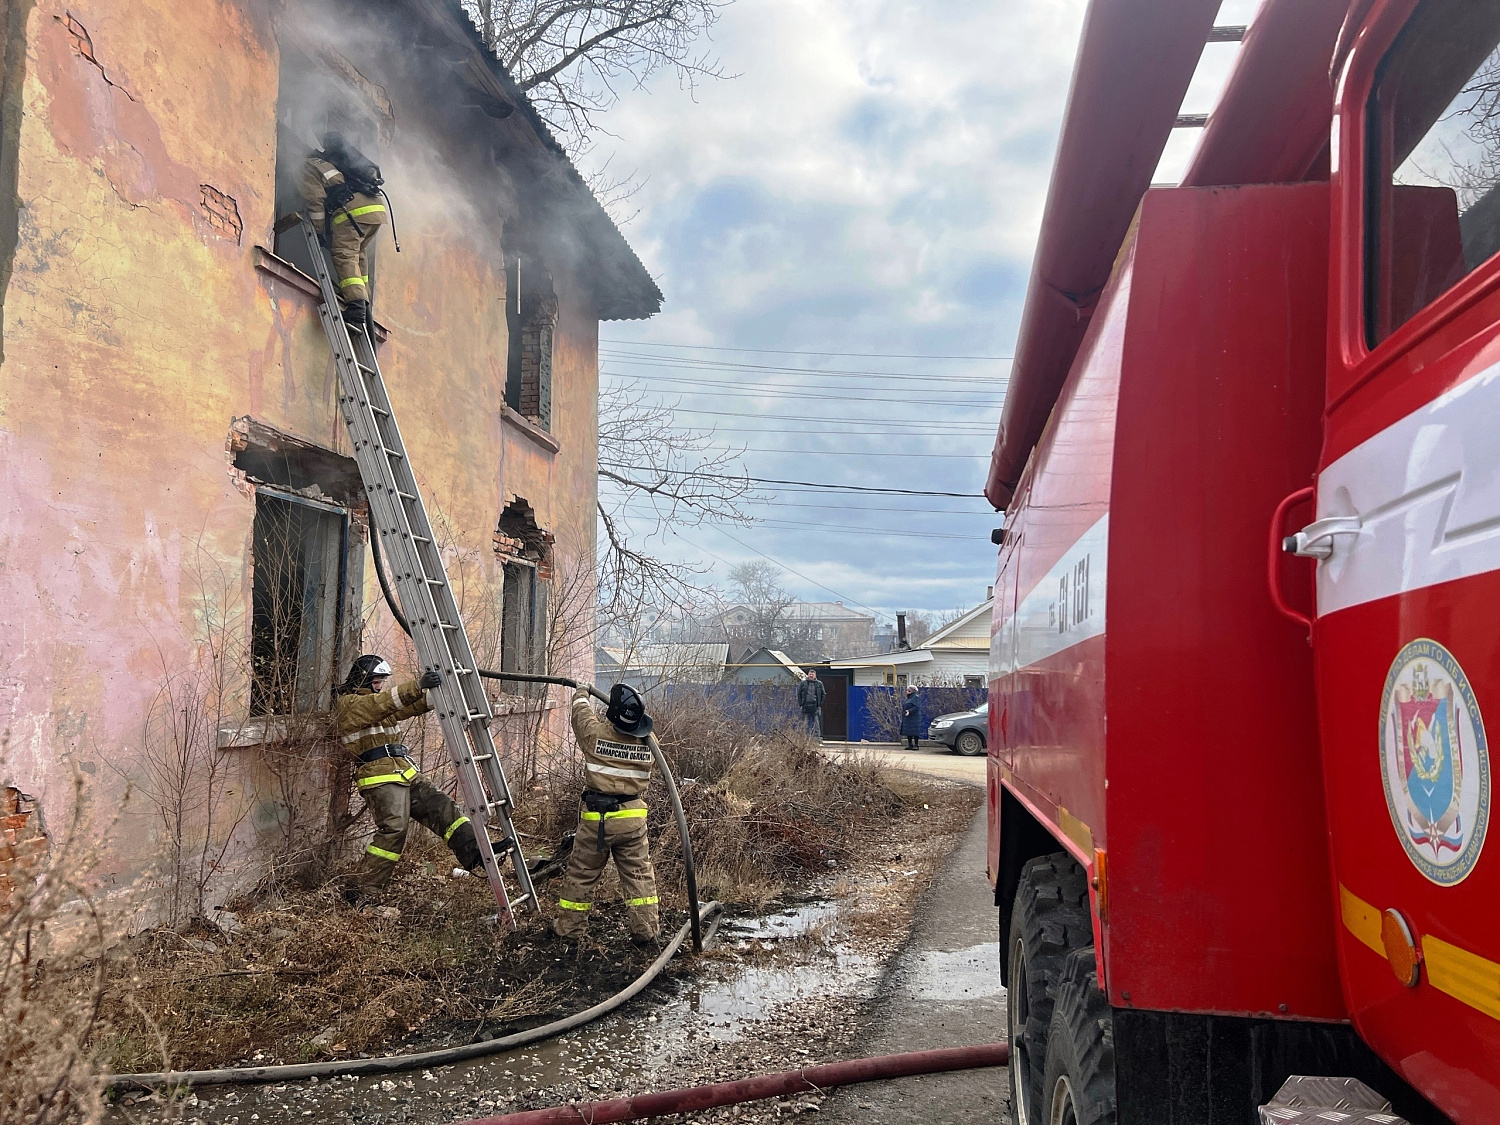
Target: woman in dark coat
(911,719)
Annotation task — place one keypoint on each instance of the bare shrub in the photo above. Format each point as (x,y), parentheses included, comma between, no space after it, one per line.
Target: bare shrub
(52,968)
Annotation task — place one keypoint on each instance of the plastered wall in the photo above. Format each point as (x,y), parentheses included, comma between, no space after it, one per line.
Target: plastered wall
(137,325)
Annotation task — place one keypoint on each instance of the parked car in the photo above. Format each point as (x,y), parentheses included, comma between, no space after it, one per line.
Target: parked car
(964,731)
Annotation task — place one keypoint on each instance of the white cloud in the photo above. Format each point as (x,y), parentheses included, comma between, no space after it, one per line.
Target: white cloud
(871,182)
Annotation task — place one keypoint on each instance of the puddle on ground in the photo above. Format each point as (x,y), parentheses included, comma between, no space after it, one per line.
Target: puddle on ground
(712,1007)
(957,975)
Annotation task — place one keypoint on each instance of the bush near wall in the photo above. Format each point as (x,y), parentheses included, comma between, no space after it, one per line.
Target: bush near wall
(875,712)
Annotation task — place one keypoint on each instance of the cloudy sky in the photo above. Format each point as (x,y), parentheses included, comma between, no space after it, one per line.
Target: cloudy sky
(844,233)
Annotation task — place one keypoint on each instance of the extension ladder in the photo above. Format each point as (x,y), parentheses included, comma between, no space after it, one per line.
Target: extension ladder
(400,519)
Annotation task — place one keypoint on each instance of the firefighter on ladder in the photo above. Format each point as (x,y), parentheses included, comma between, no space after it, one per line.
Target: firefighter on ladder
(617,765)
(342,188)
(367,713)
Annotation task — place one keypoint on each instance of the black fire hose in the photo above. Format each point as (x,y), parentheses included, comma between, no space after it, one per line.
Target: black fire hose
(694,911)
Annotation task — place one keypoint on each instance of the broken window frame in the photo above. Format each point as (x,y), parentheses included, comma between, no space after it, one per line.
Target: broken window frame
(304,688)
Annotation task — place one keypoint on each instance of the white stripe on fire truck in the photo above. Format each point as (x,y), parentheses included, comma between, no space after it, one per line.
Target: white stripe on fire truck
(1427,491)
(1064,608)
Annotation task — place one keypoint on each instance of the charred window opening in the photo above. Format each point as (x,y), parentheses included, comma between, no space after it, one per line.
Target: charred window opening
(320,91)
(531,324)
(525,551)
(307,568)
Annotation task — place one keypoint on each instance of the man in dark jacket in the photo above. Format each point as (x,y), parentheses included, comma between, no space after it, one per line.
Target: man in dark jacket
(911,719)
(810,695)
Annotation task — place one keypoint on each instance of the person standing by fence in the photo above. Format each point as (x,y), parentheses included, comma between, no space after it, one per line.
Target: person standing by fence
(810,694)
(911,718)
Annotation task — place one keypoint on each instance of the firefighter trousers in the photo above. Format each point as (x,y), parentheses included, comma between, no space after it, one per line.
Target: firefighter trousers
(625,839)
(394,806)
(351,230)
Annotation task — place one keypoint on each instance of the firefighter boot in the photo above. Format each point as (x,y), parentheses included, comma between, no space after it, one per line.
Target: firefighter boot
(357,314)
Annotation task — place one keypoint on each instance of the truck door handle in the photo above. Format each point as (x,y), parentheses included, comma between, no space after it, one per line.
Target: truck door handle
(1276,554)
(1316,540)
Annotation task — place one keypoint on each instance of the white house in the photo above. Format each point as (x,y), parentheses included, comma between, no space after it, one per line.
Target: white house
(957,654)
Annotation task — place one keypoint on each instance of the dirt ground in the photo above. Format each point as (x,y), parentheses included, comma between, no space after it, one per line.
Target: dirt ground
(788,984)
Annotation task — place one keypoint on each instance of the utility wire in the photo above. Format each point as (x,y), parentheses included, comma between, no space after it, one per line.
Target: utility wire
(797,389)
(796,483)
(674,363)
(784,566)
(789,351)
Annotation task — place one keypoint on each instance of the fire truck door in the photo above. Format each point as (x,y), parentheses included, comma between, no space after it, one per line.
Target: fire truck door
(1407,541)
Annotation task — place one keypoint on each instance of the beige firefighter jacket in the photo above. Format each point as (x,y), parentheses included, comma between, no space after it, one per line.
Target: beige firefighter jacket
(367,719)
(614,763)
(317,177)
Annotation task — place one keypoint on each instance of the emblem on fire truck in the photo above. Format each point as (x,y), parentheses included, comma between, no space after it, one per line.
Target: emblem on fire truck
(1436,761)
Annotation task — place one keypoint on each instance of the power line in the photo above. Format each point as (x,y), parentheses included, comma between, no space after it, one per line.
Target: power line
(692,363)
(795,483)
(794,570)
(764,416)
(790,351)
(717,391)
(796,389)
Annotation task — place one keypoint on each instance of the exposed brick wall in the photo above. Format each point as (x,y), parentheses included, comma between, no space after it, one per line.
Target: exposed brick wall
(23,842)
(536,361)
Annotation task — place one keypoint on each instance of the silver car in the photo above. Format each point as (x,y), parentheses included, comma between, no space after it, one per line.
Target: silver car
(965,731)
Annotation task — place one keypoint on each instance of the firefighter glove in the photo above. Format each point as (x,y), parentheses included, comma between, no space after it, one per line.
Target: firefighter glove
(357,312)
(430,679)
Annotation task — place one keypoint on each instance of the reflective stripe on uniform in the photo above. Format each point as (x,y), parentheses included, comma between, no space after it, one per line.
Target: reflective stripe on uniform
(649,900)
(618,771)
(383,854)
(566,905)
(369,209)
(379,728)
(354,280)
(452,828)
(613,815)
(385,778)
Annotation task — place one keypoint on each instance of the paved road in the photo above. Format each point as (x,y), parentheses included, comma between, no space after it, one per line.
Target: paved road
(933,759)
(943,990)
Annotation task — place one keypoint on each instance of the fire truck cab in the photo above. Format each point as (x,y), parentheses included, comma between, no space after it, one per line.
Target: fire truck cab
(1247,615)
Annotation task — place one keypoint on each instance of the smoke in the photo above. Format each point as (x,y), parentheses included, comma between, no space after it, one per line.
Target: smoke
(459,162)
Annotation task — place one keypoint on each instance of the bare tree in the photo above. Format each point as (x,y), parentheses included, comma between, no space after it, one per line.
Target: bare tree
(657,477)
(764,614)
(572,57)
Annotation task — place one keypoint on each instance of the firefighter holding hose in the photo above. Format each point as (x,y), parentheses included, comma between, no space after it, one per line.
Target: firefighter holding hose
(617,764)
(367,712)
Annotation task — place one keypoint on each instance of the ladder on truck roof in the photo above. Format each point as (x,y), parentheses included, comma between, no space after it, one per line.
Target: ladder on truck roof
(399,517)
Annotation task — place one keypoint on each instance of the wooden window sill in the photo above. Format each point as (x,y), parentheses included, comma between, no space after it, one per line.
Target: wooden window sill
(283,271)
(530,430)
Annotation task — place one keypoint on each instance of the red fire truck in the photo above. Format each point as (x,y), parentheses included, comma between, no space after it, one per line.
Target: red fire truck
(1246,639)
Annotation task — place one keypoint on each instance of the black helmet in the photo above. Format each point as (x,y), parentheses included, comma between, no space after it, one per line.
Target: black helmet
(627,713)
(364,671)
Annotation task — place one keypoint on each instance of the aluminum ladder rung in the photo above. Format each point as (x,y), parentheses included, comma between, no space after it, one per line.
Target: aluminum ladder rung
(399,517)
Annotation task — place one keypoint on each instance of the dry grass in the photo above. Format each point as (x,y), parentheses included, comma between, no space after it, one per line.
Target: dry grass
(305,977)
(52,950)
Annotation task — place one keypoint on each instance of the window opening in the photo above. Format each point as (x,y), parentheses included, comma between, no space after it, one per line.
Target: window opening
(1433,175)
(973,681)
(319,90)
(525,551)
(301,556)
(307,555)
(531,324)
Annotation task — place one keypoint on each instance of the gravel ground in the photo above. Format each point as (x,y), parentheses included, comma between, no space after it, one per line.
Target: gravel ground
(782,990)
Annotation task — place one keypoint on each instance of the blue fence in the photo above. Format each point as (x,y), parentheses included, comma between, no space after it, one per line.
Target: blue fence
(875,712)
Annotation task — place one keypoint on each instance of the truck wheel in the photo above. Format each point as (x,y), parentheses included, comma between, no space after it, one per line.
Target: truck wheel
(1078,1083)
(1050,920)
(970,744)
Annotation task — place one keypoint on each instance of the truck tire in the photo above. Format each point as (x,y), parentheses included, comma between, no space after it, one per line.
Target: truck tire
(970,744)
(1078,1083)
(1049,921)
